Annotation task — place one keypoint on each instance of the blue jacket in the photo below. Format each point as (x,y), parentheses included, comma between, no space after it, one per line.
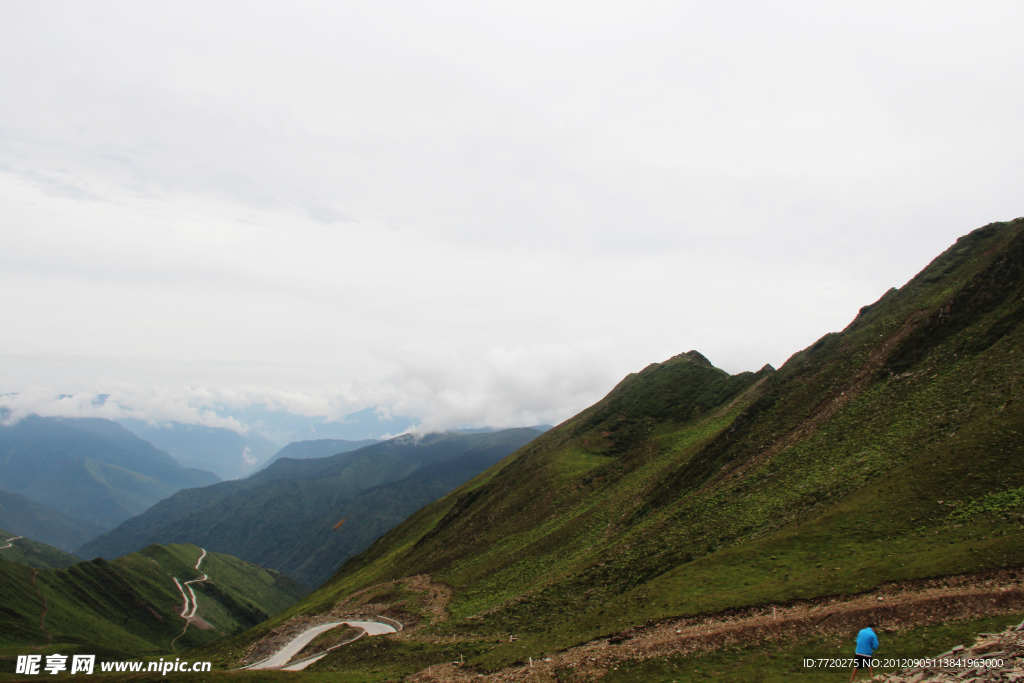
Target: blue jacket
(867,642)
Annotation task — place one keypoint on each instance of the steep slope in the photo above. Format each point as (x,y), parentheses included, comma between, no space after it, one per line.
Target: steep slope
(887,452)
(132,606)
(283,517)
(317,554)
(317,448)
(88,468)
(21,550)
(226,453)
(26,517)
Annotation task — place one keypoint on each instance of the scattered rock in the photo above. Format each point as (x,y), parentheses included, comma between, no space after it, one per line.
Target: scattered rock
(1007,646)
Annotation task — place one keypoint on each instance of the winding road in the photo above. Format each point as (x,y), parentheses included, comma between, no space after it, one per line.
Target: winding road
(8,542)
(279,659)
(185,613)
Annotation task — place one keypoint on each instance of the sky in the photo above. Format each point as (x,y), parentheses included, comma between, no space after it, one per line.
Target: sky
(472,213)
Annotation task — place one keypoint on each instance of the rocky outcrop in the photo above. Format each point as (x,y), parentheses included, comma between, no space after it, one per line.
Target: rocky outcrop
(994,658)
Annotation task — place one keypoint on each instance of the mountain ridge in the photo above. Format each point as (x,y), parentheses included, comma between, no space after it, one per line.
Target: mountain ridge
(131,606)
(227,453)
(89,468)
(31,553)
(687,491)
(316,448)
(26,517)
(308,497)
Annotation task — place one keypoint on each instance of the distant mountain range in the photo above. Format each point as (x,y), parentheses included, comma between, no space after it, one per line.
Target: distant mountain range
(227,453)
(284,517)
(319,448)
(364,424)
(486,430)
(90,469)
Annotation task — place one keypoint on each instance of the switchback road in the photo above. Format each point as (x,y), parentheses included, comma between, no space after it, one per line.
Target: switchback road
(8,542)
(185,613)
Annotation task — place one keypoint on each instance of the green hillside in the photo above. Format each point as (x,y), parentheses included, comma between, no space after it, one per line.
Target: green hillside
(21,550)
(889,451)
(283,517)
(132,606)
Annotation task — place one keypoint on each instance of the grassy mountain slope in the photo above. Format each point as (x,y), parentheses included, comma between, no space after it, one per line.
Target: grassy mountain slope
(26,517)
(315,556)
(888,451)
(132,605)
(33,553)
(283,517)
(89,468)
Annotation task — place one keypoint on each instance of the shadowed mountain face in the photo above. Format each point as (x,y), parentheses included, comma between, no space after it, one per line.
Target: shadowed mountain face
(228,454)
(25,517)
(132,606)
(284,517)
(318,448)
(91,469)
(889,451)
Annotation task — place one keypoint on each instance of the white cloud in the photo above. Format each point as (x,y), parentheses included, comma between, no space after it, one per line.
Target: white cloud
(184,406)
(473,213)
(504,388)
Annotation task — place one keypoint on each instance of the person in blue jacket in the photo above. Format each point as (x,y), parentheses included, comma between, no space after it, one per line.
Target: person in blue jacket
(867,643)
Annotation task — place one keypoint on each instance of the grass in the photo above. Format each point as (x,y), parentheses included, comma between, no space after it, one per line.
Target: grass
(34,554)
(373,488)
(889,451)
(784,660)
(130,607)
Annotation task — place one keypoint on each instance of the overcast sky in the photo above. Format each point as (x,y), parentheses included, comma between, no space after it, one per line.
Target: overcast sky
(474,213)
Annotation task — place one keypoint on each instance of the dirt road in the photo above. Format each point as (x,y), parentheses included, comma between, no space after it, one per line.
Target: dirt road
(189,616)
(282,656)
(8,542)
(892,607)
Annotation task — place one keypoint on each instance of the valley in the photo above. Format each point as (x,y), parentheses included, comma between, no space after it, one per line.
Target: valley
(132,606)
(91,470)
(374,488)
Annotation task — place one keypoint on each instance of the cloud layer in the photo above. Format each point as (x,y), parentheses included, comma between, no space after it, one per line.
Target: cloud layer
(473,214)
